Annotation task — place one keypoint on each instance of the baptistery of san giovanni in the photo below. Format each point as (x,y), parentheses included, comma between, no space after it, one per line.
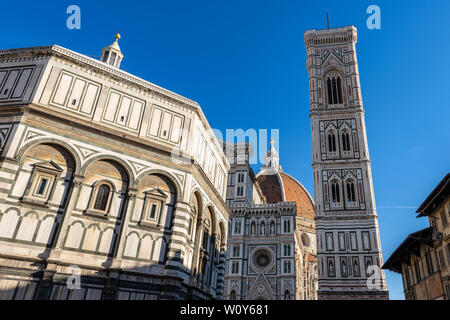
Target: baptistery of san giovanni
(89,186)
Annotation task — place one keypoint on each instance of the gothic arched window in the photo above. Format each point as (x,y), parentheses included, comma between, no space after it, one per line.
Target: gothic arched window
(334,89)
(287,295)
(345,141)
(233,295)
(101,197)
(335,193)
(351,194)
(331,142)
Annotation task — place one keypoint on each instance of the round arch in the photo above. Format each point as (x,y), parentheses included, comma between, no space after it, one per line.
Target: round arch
(196,193)
(167,175)
(223,234)
(214,226)
(50,141)
(112,158)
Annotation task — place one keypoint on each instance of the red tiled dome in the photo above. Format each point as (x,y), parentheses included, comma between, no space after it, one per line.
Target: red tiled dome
(282,187)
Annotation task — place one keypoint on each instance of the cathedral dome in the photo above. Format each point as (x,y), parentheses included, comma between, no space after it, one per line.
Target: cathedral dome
(280,186)
(277,186)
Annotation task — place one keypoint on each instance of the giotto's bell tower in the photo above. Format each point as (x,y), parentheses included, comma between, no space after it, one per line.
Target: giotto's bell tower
(348,242)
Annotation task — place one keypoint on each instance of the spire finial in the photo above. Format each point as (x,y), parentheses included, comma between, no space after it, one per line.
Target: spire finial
(272,142)
(117,36)
(328,20)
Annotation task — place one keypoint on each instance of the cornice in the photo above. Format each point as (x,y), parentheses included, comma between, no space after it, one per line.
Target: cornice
(326,112)
(331,36)
(20,54)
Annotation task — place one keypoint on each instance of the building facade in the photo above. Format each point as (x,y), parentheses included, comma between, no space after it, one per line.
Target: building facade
(271,249)
(423,258)
(106,177)
(346,216)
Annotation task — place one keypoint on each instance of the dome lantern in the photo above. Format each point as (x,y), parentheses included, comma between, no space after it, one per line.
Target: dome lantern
(272,158)
(112,54)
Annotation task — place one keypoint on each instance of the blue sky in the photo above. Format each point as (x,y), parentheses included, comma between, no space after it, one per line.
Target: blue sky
(244,62)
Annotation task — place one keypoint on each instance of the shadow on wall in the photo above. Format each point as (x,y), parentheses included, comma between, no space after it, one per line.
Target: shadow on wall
(57,205)
(156,281)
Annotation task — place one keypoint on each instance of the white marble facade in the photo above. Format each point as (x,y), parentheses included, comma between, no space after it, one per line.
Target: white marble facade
(99,170)
(271,244)
(346,216)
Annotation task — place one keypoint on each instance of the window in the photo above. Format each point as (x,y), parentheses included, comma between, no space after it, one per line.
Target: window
(235,267)
(287,266)
(286,250)
(434,225)
(351,194)
(287,226)
(240,191)
(334,89)
(241,178)
(262,259)
(153,211)
(106,56)
(345,142)
(153,207)
(331,142)
(417,269)
(42,184)
(448,253)
(443,218)
(441,258)
(113,58)
(287,295)
(429,263)
(335,193)
(101,199)
(233,295)
(407,279)
(236,252)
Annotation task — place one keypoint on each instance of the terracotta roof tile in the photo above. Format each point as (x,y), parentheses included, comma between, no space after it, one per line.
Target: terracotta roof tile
(270,187)
(293,192)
